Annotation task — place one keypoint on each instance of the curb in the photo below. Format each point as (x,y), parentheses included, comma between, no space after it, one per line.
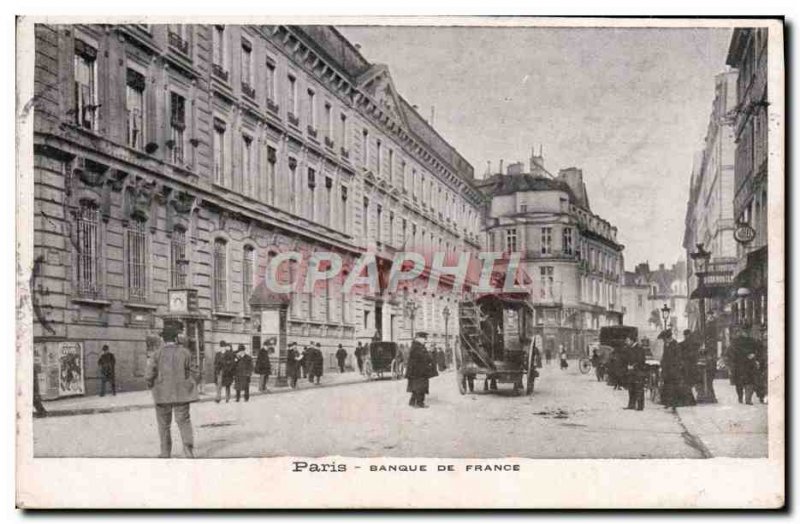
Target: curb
(210,398)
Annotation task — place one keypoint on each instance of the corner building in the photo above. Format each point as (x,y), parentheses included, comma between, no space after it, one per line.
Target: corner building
(571,256)
(171,162)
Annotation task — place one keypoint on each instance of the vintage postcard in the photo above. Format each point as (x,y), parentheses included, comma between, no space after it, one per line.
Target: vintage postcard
(475,262)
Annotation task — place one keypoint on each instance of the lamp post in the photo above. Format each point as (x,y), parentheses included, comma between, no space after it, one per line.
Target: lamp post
(446,315)
(707,363)
(665,311)
(411,312)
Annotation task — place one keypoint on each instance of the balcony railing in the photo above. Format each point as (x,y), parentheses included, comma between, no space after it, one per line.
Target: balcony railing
(219,72)
(176,41)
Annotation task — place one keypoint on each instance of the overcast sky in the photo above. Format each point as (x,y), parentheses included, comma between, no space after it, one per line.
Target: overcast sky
(628,106)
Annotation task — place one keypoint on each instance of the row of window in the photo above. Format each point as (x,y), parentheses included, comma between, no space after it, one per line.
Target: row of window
(595,291)
(337,131)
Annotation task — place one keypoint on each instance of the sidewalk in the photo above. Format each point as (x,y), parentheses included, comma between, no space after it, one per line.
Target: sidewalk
(727,428)
(132,400)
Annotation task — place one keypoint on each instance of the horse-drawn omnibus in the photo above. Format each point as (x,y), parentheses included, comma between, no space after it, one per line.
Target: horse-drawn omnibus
(497,342)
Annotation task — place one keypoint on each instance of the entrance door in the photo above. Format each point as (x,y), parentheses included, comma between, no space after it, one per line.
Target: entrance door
(379,319)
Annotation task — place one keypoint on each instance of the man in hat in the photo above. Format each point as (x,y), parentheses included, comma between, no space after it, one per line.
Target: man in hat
(360,357)
(227,372)
(107,364)
(292,364)
(341,356)
(244,371)
(670,370)
(636,372)
(263,365)
(315,364)
(421,367)
(172,376)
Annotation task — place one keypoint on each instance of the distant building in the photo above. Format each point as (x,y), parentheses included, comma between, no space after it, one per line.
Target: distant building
(570,254)
(748,54)
(645,292)
(709,213)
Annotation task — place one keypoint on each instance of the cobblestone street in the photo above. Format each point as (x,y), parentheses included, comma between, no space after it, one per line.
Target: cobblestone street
(569,416)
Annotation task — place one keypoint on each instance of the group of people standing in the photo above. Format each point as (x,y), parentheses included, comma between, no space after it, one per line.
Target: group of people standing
(747,363)
(235,368)
(308,363)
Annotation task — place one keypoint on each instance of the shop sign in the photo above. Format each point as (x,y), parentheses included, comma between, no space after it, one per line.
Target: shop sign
(744,234)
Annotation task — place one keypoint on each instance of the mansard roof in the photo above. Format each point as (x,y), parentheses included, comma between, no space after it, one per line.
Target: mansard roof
(501,185)
(375,81)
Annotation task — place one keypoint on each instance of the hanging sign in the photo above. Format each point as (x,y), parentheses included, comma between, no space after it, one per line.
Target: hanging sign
(744,234)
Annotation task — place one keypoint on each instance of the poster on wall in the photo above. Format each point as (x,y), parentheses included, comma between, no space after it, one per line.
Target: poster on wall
(70,369)
(270,323)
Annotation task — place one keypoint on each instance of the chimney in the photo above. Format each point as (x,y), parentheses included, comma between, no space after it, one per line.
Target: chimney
(501,166)
(537,163)
(433,114)
(574,179)
(516,168)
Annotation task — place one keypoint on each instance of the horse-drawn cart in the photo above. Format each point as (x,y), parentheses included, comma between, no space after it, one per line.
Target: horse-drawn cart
(497,343)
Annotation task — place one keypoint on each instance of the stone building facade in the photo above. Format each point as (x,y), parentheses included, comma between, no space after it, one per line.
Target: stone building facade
(172,162)
(748,55)
(571,255)
(709,213)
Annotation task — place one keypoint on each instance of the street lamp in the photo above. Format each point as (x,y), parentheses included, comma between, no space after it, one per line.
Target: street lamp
(446,315)
(411,311)
(665,311)
(707,362)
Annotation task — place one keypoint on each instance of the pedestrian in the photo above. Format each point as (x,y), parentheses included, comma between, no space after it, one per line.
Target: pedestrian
(597,365)
(745,366)
(636,372)
(419,371)
(292,364)
(172,376)
(360,357)
(440,359)
(548,356)
(39,409)
(304,362)
(763,367)
(315,363)
(107,363)
(341,356)
(689,371)
(219,365)
(244,371)
(670,371)
(263,365)
(563,357)
(227,372)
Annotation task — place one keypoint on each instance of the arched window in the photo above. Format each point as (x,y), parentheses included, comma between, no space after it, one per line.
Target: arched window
(220,268)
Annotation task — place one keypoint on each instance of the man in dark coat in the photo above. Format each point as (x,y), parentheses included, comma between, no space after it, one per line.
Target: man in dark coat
(670,370)
(244,371)
(441,361)
(689,357)
(172,376)
(107,364)
(228,371)
(636,372)
(360,357)
(292,364)
(341,356)
(263,365)
(220,359)
(315,363)
(745,367)
(421,367)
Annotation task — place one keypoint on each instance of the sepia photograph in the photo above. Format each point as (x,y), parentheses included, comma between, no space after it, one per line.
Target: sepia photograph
(485,241)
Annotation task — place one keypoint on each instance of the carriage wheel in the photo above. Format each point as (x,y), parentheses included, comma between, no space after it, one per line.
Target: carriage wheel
(585,365)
